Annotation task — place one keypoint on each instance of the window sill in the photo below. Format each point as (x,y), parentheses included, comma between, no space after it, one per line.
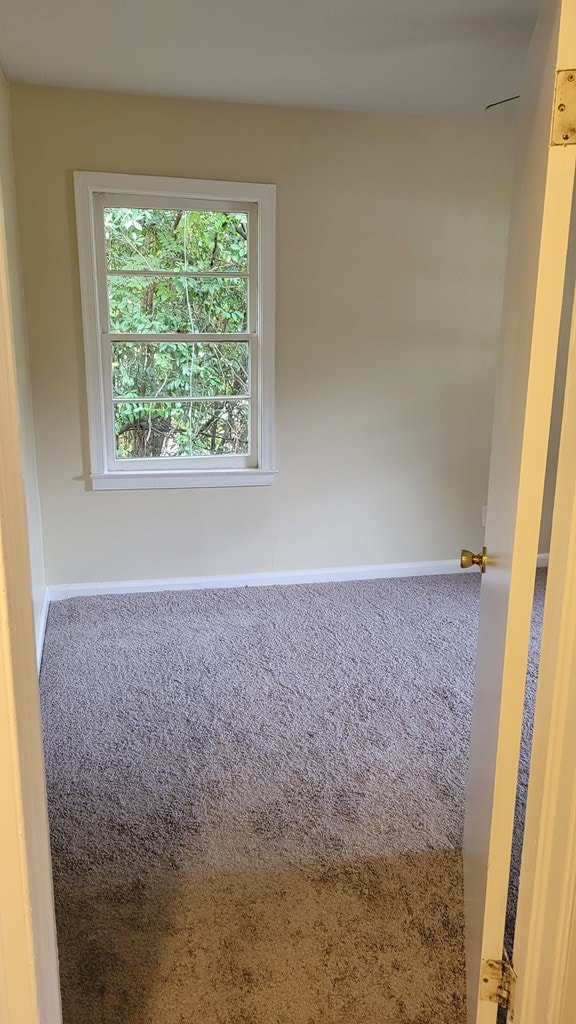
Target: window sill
(181,479)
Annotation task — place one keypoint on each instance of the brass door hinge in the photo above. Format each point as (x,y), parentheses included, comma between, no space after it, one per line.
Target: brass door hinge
(564,116)
(497,984)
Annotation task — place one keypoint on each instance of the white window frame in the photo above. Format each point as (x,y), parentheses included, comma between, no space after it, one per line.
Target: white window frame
(94,190)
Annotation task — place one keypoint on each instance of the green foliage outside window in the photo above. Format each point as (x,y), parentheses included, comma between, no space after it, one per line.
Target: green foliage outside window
(178,399)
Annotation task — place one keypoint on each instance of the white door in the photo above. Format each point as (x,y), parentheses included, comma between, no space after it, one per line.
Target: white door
(545,945)
(534,296)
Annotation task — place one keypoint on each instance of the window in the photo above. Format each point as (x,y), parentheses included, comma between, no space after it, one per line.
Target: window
(177,281)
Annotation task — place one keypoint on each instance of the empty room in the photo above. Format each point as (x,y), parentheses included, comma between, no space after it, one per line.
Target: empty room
(284,433)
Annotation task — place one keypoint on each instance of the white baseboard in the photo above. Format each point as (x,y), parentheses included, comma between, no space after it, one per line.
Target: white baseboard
(542,561)
(59,592)
(41,625)
(287,577)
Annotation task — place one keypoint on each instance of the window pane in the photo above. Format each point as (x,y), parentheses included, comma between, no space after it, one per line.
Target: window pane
(181,429)
(175,239)
(180,369)
(149,305)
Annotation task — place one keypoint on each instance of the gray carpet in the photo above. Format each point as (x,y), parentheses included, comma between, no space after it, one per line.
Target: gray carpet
(256,802)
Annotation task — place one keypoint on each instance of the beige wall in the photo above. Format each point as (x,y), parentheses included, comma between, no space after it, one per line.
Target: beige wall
(9,216)
(391,249)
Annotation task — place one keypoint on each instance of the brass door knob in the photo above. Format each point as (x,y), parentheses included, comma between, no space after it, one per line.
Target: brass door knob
(468,559)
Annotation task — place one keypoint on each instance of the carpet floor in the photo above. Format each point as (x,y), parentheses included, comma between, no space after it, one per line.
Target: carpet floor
(256,802)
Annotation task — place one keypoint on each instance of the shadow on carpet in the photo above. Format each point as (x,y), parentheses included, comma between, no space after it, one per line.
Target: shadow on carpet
(338,942)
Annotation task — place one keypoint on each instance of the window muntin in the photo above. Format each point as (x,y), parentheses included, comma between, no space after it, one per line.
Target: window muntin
(179,308)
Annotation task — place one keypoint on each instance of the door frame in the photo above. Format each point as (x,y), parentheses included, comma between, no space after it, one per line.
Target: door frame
(546,921)
(29,977)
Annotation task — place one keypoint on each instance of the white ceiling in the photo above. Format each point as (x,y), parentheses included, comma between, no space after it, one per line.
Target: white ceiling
(392,56)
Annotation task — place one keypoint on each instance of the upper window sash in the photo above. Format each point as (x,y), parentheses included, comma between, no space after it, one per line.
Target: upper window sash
(103,200)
